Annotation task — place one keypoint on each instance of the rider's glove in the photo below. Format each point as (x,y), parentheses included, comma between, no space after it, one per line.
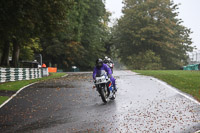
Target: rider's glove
(109,75)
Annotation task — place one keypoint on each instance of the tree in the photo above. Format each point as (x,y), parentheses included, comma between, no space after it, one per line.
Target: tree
(27,52)
(82,39)
(152,25)
(22,20)
(148,60)
(70,32)
(94,32)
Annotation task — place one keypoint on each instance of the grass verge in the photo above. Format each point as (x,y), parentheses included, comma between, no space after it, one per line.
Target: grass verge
(3,99)
(16,85)
(186,81)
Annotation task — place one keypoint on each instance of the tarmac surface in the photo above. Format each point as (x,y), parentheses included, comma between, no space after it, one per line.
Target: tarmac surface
(70,104)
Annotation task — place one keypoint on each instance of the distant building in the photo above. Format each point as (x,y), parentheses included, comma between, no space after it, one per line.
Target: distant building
(194,57)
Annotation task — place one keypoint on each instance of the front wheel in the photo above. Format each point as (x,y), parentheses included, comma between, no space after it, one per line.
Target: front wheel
(103,94)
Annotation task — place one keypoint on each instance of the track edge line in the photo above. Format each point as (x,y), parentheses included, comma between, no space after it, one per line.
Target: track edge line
(4,103)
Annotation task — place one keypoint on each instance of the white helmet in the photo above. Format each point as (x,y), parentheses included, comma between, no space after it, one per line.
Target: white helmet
(106,57)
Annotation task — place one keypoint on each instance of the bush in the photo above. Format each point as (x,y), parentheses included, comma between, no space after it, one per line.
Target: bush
(147,60)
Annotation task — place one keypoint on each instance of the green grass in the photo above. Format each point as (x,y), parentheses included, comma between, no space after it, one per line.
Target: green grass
(16,85)
(3,99)
(186,81)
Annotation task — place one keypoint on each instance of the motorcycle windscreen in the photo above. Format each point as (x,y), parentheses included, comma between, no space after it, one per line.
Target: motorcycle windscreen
(101,73)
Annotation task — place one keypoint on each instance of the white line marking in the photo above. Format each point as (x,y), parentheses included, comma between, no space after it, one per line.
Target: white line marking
(64,76)
(16,94)
(19,92)
(175,89)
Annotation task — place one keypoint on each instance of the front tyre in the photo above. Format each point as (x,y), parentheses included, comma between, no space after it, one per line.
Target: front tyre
(103,95)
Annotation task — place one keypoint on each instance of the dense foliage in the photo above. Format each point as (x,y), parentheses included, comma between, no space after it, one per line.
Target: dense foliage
(150,36)
(75,32)
(66,32)
(21,21)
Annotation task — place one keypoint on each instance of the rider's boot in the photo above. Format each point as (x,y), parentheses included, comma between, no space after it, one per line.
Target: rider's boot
(115,88)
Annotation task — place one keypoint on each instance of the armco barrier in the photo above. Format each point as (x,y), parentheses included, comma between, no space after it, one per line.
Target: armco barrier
(45,72)
(14,74)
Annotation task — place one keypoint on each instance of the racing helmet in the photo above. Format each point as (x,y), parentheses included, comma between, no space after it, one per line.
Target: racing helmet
(99,62)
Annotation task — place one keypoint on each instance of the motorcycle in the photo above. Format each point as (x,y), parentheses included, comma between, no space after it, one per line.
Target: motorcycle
(104,87)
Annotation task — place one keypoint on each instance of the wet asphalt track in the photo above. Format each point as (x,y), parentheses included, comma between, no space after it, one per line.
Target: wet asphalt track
(71,105)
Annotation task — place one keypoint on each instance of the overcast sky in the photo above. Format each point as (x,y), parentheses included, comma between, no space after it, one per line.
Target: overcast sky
(189,13)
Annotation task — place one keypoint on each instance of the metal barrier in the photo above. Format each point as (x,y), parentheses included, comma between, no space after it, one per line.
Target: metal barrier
(14,74)
(45,72)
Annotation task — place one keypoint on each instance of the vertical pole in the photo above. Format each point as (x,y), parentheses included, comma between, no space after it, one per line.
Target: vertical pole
(196,56)
(40,59)
(193,55)
(199,56)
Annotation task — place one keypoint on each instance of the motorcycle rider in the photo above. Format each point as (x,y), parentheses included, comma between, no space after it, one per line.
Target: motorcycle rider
(110,64)
(109,60)
(101,66)
(105,60)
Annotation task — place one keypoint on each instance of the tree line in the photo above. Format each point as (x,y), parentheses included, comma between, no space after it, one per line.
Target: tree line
(65,32)
(149,35)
